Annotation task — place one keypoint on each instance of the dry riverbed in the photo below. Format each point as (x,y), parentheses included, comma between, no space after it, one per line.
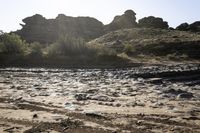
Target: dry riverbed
(141,99)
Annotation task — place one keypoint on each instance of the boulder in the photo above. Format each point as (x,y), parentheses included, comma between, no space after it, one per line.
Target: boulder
(194,27)
(185,96)
(153,22)
(183,27)
(127,20)
(80,97)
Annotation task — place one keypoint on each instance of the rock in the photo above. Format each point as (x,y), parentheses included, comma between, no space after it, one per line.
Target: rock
(153,22)
(102,98)
(183,27)
(92,91)
(140,104)
(39,29)
(174,92)
(95,114)
(194,27)
(80,97)
(155,81)
(127,20)
(35,116)
(191,118)
(118,105)
(185,96)
(157,105)
(71,106)
(44,94)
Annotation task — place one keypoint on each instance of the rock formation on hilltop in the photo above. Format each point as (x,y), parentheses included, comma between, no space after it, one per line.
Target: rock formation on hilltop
(183,27)
(127,20)
(153,22)
(37,28)
(194,27)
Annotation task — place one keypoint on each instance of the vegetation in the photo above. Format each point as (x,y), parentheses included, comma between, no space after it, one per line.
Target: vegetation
(12,44)
(52,41)
(67,50)
(68,46)
(35,49)
(129,49)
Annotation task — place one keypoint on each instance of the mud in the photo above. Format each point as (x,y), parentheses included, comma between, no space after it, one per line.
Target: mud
(141,99)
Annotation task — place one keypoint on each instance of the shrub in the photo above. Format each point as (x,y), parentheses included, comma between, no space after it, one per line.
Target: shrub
(129,49)
(12,44)
(35,49)
(68,46)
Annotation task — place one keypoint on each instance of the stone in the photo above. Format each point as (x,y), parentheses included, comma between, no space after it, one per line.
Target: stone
(35,116)
(153,22)
(80,97)
(103,98)
(194,27)
(37,28)
(185,96)
(183,27)
(127,20)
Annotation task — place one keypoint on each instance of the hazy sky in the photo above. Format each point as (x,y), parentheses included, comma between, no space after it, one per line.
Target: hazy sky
(173,11)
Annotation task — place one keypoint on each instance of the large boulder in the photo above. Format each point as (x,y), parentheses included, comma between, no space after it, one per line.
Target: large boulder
(127,20)
(37,28)
(183,27)
(153,22)
(194,27)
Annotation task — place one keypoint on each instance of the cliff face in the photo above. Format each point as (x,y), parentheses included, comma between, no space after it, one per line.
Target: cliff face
(37,28)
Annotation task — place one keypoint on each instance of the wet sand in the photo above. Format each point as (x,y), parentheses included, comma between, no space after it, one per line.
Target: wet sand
(140,99)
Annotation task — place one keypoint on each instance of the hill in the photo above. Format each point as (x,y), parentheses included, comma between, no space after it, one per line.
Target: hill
(151,42)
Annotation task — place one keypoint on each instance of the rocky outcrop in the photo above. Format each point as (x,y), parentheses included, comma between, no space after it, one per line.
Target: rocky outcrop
(127,20)
(153,22)
(37,28)
(183,27)
(194,27)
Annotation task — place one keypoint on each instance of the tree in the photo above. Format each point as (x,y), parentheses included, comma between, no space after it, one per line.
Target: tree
(35,49)
(12,44)
(68,46)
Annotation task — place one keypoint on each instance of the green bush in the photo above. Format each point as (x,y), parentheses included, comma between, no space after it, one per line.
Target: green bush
(11,44)
(128,49)
(68,46)
(35,49)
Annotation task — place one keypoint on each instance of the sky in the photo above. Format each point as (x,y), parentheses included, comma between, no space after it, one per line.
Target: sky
(174,11)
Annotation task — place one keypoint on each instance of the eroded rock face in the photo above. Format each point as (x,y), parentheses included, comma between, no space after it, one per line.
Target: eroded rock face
(37,28)
(153,22)
(194,27)
(127,20)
